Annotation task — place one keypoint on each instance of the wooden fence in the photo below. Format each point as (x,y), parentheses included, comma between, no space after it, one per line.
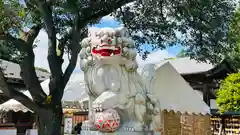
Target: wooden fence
(230,125)
(176,123)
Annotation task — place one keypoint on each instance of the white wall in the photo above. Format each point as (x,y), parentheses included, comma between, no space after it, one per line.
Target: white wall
(175,93)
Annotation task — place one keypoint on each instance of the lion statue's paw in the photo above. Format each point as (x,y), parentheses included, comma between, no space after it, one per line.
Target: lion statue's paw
(132,126)
(106,100)
(156,111)
(97,107)
(127,126)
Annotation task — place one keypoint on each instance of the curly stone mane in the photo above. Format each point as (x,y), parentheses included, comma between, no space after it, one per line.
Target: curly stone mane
(126,66)
(108,59)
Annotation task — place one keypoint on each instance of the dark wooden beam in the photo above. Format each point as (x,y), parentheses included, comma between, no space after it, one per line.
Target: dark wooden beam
(206,93)
(201,86)
(221,70)
(80,113)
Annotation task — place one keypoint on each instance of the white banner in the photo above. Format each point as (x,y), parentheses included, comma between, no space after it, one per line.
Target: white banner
(68,125)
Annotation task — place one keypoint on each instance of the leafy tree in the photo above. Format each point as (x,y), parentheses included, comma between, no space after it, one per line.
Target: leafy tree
(154,22)
(232,49)
(9,52)
(69,19)
(10,20)
(228,96)
(202,24)
(182,54)
(234,39)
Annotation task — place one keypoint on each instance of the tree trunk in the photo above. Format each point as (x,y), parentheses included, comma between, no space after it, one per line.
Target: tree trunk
(50,121)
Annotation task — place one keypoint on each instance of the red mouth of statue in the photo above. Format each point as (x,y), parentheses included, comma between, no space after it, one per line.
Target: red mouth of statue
(106,50)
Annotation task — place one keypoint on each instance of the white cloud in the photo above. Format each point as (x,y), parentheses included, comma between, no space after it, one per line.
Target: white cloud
(42,48)
(41,52)
(108,18)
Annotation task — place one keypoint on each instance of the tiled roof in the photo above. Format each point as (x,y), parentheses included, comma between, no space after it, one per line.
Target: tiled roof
(185,65)
(12,70)
(72,104)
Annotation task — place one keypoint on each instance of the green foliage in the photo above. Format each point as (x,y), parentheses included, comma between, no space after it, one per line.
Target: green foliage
(234,30)
(182,54)
(13,16)
(234,40)
(228,96)
(10,20)
(203,25)
(9,52)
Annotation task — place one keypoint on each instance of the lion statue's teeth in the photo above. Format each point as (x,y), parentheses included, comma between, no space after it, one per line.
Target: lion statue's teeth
(108,59)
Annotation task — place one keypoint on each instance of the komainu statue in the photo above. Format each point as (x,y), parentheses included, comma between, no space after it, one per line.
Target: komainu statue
(108,59)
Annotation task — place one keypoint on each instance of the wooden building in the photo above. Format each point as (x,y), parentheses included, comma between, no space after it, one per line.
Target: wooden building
(203,77)
(207,82)
(76,110)
(227,123)
(20,120)
(12,73)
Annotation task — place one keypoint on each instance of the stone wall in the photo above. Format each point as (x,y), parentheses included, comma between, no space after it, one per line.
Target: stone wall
(176,123)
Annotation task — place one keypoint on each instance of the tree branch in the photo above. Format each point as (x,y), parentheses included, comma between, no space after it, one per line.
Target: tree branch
(19,96)
(55,62)
(100,9)
(75,48)
(19,43)
(32,34)
(78,33)
(28,72)
(46,13)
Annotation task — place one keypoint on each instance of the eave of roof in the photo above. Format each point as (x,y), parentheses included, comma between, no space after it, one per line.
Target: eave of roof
(12,70)
(187,66)
(222,68)
(228,113)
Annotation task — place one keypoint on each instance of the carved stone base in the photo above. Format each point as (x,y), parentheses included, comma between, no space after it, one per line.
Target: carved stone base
(118,133)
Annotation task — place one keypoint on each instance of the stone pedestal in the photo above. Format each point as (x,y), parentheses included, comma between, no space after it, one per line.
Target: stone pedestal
(118,133)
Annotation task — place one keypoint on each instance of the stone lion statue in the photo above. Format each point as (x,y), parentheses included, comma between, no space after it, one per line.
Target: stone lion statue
(108,60)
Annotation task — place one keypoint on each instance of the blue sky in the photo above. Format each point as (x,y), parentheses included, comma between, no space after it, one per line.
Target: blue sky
(110,22)
(107,21)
